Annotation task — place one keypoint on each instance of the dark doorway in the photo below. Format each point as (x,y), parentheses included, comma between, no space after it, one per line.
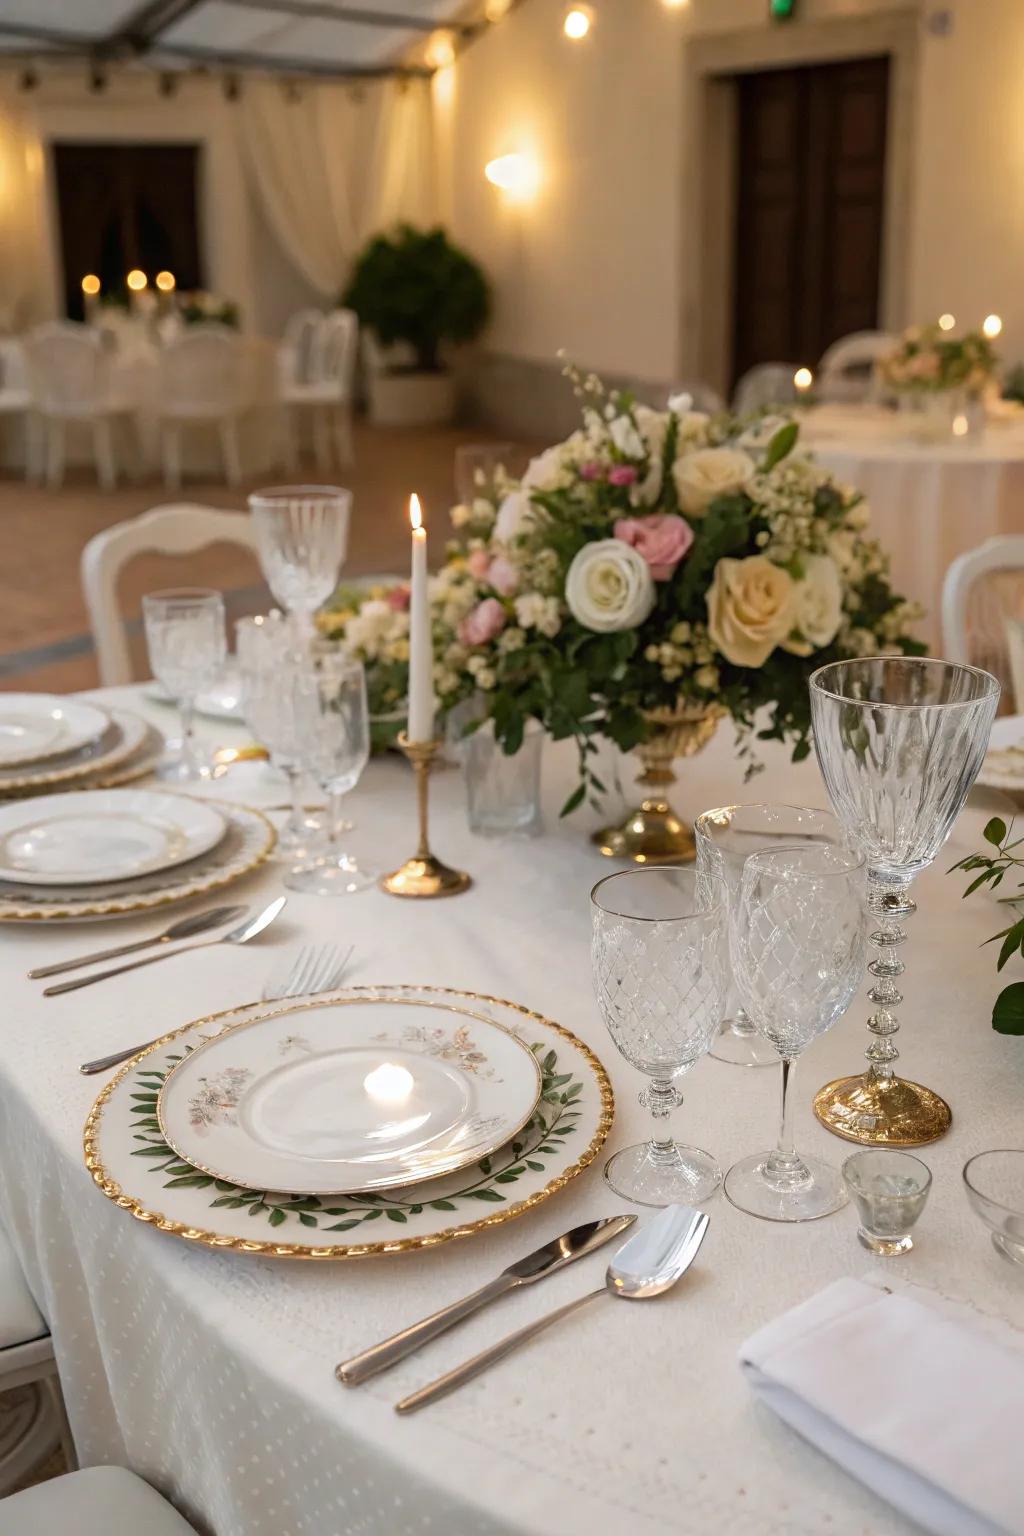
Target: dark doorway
(124,206)
(810,208)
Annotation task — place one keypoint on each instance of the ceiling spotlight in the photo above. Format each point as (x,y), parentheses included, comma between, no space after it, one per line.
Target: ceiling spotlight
(28,79)
(441,50)
(578,21)
(992,325)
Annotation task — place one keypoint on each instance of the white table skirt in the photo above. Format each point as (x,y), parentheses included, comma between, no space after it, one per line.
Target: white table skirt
(212,1374)
(930,502)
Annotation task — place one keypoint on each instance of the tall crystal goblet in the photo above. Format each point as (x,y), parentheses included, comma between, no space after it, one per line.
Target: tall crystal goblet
(797,936)
(272,669)
(899,741)
(725,838)
(334,730)
(302,536)
(658,962)
(187,644)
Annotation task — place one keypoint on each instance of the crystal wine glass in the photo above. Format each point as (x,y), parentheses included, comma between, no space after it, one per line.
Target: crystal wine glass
(334,731)
(659,971)
(302,535)
(272,672)
(725,837)
(797,936)
(899,741)
(187,644)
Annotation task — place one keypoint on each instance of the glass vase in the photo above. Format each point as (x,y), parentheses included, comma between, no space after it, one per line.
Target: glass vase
(502,789)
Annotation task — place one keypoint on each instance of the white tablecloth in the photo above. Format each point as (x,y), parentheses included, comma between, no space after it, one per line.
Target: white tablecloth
(212,1374)
(930,501)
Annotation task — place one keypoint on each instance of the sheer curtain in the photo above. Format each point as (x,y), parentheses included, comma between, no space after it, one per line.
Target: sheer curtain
(336,165)
(24,292)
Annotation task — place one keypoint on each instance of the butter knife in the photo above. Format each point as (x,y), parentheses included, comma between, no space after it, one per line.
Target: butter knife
(552,1256)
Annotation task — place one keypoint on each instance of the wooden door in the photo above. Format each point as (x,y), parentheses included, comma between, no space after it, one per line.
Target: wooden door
(810,209)
(124,206)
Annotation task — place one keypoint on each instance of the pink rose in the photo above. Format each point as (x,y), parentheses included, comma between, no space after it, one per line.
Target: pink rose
(478,562)
(592,470)
(662,539)
(398,599)
(486,621)
(503,576)
(622,474)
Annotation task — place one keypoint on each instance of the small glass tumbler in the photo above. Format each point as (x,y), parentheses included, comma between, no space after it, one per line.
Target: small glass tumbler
(502,789)
(890,1190)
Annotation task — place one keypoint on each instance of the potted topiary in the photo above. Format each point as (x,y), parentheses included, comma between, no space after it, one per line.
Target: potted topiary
(415,293)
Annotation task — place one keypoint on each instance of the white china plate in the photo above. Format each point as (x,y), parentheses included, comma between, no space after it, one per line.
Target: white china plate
(37,726)
(221,702)
(123,736)
(247,843)
(1003,767)
(357,1096)
(86,836)
(134,1167)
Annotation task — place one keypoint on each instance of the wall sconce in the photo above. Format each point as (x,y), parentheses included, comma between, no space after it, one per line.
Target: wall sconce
(516,175)
(440,50)
(578,21)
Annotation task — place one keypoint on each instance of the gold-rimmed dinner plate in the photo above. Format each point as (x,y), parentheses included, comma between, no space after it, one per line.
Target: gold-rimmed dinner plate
(136,1169)
(356,1095)
(37,726)
(86,837)
(124,735)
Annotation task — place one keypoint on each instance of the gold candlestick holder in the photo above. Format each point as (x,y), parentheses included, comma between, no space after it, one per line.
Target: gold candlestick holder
(423,875)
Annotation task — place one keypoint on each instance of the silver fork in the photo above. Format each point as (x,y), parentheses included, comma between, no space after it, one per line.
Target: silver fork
(316,968)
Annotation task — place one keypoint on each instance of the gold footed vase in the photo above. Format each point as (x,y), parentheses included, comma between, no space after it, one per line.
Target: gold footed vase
(654,833)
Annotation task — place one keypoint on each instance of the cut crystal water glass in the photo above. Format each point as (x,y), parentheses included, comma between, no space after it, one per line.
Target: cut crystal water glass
(334,731)
(271,669)
(797,934)
(658,962)
(890,1190)
(187,643)
(302,537)
(725,837)
(899,741)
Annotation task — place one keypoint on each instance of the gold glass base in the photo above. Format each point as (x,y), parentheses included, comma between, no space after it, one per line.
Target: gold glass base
(425,877)
(882,1111)
(654,834)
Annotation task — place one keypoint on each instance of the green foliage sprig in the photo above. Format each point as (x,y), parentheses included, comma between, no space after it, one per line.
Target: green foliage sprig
(1008,1012)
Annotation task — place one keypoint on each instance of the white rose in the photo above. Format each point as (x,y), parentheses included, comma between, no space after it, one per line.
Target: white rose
(703,476)
(817,606)
(626,438)
(547,472)
(609,586)
(514,516)
(750,609)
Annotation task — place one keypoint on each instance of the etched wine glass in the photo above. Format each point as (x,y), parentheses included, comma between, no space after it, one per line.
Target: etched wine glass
(899,741)
(302,536)
(725,837)
(271,669)
(187,643)
(334,732)
(797,936)
(658,962)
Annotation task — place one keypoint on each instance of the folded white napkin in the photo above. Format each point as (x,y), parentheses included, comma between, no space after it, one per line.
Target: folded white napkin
(919,1398)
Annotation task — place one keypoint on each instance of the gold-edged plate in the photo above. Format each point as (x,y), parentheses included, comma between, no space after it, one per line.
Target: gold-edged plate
(124,736)
(96,836)
(37,726)
(248,841)
(355,1095)
(134,1167)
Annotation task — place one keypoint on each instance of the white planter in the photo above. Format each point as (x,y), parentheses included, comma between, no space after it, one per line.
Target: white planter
(412,399)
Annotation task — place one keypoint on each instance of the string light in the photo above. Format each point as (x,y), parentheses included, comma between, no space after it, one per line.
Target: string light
(992,325)
(578,21)
(516,175)
(947,322)
(137,280)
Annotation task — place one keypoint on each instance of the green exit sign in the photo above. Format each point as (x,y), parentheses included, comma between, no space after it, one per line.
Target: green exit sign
(781,10)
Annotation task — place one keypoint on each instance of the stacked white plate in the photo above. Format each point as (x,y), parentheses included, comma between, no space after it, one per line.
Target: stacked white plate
(1003,767)
(49,742)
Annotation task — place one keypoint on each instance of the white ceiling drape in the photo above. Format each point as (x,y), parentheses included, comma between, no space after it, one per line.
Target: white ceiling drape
(337,165)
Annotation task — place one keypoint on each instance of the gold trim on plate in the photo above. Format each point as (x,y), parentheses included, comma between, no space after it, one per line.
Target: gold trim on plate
(114,755)
(114,1192)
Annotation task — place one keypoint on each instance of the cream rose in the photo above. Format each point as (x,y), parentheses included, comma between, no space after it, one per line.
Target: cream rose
(750,609)
(703,476)
(817,606)
(514,516)
(609,586)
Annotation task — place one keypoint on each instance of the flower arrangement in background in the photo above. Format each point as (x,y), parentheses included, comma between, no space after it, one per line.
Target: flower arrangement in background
(655,560)
(929,358)
(199,307)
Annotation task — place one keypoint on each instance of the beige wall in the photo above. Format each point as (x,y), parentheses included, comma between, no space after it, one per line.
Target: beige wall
(603,261)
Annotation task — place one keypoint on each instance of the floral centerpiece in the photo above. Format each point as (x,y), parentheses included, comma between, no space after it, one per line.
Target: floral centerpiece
(655,572)
(929,358)
(202,308)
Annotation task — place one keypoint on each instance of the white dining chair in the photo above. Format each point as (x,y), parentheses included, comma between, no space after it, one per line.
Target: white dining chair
(73,380)
(96,1501)
(327,391)
(176,529)
(16,401)
(295,353)
(982,607)
(846,372)
(764,386)
(28,1367)
(202,384)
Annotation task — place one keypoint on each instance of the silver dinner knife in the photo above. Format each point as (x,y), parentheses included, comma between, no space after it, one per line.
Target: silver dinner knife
(545,1261)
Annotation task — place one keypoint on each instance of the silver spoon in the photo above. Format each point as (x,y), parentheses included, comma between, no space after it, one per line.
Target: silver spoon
(240,935)
(184,928)
(647,1265)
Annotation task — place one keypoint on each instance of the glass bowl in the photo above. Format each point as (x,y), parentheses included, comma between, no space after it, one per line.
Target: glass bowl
(995,1188)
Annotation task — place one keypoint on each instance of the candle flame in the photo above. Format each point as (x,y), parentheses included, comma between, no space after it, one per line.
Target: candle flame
(415,514)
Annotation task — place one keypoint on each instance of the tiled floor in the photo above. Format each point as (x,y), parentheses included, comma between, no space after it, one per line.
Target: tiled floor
(44,642)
